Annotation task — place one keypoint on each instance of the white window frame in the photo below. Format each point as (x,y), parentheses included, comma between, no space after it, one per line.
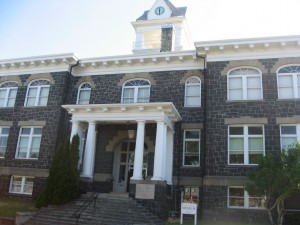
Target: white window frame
(245,137)
(5,136)
(22,184)
(38,93)
(244,87)
(80,89)
(191,140)
(187,85)
(246,198)
(29,145)
(8,91)
(297,135)
(136,89)
(294,75)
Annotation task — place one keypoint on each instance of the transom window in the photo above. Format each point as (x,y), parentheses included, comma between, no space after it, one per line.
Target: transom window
(29,143)
(8,93)
(244,84)
(136,91)
(191,153)
(245,144)
(37,93)
(21,185)
(193,92)
(288,80)
(4,132)
(289,135)
(84,94)
(238,197)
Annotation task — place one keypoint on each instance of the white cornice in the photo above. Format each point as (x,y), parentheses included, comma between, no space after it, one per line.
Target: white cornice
(151,62)
(250,48)
(143,23)
(125,112)
(37,64)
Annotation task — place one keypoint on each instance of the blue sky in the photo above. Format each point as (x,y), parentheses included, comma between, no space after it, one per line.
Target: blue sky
(91,28)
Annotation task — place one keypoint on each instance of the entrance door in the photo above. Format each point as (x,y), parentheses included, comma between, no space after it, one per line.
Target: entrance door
(123,169)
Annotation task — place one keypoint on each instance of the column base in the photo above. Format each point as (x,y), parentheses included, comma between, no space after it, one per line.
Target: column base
(157,178)
(136,178)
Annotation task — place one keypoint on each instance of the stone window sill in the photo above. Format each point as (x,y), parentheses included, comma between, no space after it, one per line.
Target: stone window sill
(242,101)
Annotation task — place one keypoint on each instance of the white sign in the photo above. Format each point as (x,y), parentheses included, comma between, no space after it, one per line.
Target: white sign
(190,209)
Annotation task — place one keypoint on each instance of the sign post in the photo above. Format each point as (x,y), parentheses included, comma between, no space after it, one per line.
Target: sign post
(190,209)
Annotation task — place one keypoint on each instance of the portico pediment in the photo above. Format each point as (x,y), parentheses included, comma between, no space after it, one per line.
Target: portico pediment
(149,112)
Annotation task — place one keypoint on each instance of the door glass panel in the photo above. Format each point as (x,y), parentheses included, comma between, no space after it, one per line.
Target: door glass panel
(122,172)
(123,157)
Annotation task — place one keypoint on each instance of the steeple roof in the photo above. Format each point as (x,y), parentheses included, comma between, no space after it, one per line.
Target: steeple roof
(176,11)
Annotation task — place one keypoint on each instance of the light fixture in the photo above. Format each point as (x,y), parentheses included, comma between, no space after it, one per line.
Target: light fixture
(131,134)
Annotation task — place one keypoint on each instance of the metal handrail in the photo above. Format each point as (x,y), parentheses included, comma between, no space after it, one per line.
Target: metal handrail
(83,207)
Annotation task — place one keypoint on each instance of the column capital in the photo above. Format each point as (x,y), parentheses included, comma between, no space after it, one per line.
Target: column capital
(161,122)
(93,122)
(141,121)
(74,121)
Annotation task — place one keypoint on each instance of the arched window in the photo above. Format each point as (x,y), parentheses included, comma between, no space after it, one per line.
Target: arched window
(37,93)
(84,94)
(244,84)
(136,91)
(192,92)
(8,93)
(288,81)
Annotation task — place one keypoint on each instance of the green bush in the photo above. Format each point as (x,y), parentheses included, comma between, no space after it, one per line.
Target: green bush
(63,181)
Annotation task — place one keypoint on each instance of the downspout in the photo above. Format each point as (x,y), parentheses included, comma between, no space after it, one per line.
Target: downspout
(205,73)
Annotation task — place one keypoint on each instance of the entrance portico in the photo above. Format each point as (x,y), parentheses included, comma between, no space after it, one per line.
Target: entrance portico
(162,114)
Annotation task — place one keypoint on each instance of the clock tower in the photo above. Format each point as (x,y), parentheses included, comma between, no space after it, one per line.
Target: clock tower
(163,28)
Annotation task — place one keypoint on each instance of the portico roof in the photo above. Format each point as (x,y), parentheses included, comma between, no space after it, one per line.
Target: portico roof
(125,112)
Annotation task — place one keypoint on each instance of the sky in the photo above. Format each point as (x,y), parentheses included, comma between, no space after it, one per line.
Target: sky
(96,28)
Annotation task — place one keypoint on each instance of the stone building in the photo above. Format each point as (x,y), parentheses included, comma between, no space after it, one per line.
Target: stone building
(174,121)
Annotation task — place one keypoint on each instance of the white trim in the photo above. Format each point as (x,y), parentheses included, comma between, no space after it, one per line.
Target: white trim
(246,198)
(185,92)
(22,185)
(80,89)
(244,83)
(245,137)
(296,135)
(184,146)
(30,137)
(38,93)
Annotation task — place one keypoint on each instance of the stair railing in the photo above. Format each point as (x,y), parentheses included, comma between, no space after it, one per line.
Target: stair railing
(83,207)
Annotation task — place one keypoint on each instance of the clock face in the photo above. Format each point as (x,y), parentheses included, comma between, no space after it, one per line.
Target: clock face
(159,10)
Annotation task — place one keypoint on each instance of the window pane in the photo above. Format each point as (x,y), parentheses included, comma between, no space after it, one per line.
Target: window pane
(192,134)
(285,93)
(256,202)
(192,148)
(11,102)
(37,131)
(32,92)
(235,83)
(35,147)
(236,130)
(255,130)
(193,101)
(191,161)
(253,82)
(285,81)
(3,144)
(26,131)
(237,192)
(30,101)
(28,187)
(236,94)
(288,129)
(16,184)
(3,93)
(5,130)
(288,142)
(236,144)
(193,90)
(255,144)
(44,91)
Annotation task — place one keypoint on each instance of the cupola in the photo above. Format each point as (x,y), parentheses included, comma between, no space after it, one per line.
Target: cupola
(163,28)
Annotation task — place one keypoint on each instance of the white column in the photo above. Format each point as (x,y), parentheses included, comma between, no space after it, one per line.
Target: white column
(139,152)
(169,156)
(89,155)
(158,171)
(75,126)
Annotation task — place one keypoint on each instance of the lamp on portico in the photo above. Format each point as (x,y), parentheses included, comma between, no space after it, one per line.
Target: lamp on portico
(131,134)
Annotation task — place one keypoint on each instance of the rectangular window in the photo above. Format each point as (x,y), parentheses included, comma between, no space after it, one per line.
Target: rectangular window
(245,144)
(238,197)
(21,185)
(4,132)
(289,135)
(288,86)
(29,143)
(191,153)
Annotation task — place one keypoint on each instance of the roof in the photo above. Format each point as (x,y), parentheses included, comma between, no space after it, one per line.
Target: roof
(176,11)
